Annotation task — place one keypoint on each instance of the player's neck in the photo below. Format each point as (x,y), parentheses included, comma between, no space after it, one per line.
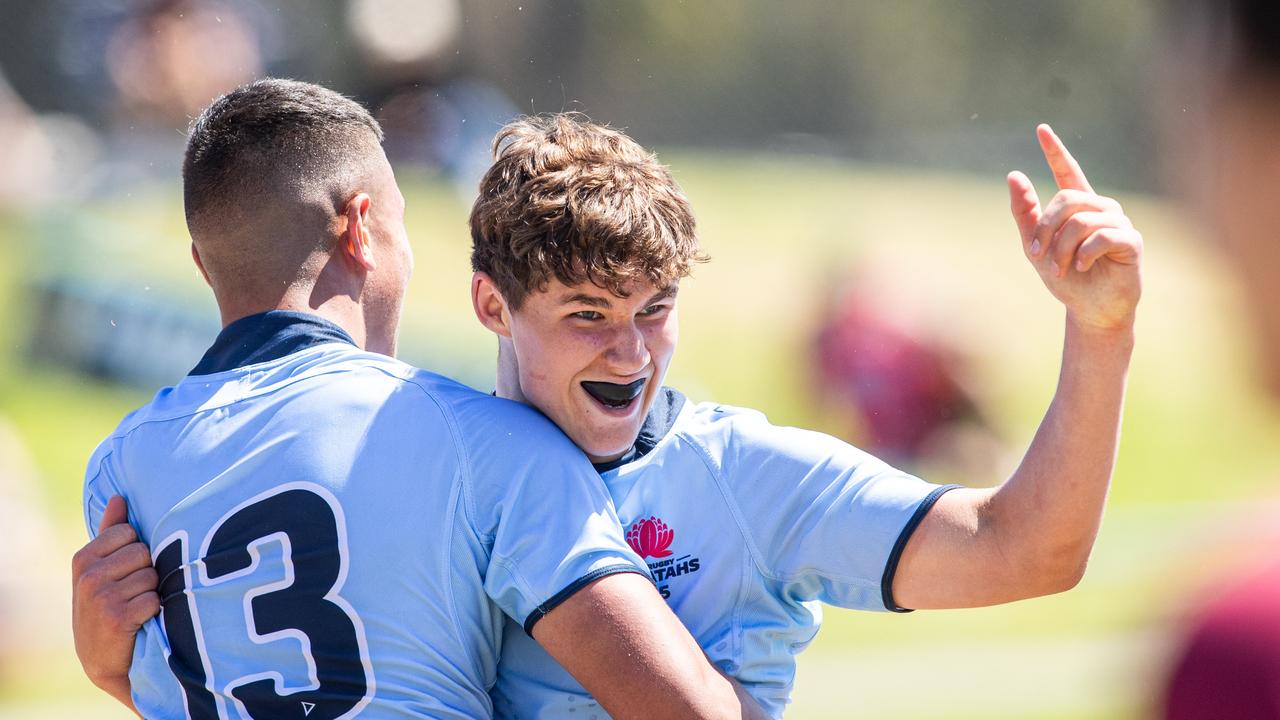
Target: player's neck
(345,314)
(508,380)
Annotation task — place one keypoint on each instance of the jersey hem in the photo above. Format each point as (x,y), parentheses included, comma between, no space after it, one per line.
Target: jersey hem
(573,587)
(891,567)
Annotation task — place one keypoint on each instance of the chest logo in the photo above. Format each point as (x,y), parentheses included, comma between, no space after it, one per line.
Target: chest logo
(650,538)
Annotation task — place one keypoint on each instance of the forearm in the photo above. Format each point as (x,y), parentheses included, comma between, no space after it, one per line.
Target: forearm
(118,688)
(1033,535)
(1046,516)
(620,640)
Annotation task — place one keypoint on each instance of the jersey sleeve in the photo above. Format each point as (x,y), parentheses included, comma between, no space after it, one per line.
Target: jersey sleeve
(829,520)
(98,487)
(552,524)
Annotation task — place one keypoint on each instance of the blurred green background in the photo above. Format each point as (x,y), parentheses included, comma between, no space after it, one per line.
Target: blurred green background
(819,142)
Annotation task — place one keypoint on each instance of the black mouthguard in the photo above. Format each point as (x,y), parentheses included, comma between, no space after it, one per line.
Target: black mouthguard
(612,393)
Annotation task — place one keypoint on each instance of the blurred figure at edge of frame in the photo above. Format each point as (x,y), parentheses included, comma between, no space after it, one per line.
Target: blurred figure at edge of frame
(1228,662)
(896,387)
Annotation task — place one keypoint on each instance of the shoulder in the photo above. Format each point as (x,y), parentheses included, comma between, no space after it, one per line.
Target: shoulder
(373,378)
(130,422)
(337,378)
(497,436)
(484,415)
(717,428)
(742,438)
(719,414)
(486,429)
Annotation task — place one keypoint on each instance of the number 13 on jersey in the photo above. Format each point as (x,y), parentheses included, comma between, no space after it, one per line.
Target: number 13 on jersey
(298,601)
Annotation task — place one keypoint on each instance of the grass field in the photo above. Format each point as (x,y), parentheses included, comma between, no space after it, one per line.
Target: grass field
(1195,460)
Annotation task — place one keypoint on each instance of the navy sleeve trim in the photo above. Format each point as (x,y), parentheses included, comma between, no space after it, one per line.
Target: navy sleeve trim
(891,567)
(555,601)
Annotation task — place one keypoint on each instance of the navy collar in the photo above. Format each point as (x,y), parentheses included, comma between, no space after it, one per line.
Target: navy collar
(267,336)
(657,423)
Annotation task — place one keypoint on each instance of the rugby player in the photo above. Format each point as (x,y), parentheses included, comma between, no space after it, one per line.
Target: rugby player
(580,240)
(335,533)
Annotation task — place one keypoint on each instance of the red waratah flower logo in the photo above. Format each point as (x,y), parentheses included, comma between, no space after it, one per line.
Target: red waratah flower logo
(650,537)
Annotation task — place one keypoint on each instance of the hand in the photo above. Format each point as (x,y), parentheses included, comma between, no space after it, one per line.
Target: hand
(113,592)
(1086,250)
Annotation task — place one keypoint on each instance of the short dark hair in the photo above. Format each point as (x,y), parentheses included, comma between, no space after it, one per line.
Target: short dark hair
(272,134)
(569,199)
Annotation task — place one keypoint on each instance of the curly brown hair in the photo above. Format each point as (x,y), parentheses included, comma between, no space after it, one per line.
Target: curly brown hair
(574,200)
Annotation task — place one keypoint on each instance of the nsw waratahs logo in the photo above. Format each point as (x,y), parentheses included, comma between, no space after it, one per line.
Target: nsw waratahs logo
(650,537)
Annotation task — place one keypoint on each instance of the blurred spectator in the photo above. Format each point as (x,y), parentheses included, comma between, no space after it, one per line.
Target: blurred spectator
(165,61)
(431,117)
(896,387)
(1229,663)
(51,150)
(170,59)
(133,72)
(117,60)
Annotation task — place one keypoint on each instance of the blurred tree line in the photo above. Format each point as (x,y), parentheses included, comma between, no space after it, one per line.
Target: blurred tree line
(932,82)
(926,82)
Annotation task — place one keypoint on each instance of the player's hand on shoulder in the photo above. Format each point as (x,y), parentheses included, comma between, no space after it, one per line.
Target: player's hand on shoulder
(113,589)
(1082,244)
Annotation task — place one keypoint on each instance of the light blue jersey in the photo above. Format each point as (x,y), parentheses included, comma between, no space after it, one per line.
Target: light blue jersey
(337,533)
(747,528)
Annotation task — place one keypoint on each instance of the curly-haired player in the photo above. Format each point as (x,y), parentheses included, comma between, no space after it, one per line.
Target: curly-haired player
(580,240)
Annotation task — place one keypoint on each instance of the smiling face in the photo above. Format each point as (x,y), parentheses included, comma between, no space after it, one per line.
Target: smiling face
(590,360)
(580,238)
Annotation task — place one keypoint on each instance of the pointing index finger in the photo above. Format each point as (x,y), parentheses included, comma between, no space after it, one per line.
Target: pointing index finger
(1066,171)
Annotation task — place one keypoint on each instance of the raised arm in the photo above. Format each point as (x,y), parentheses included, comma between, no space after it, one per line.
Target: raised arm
(622,642)
(1032,535)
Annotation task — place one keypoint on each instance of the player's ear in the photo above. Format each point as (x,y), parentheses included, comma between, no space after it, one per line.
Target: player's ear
(195,255)
(355,243)
(490,306)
